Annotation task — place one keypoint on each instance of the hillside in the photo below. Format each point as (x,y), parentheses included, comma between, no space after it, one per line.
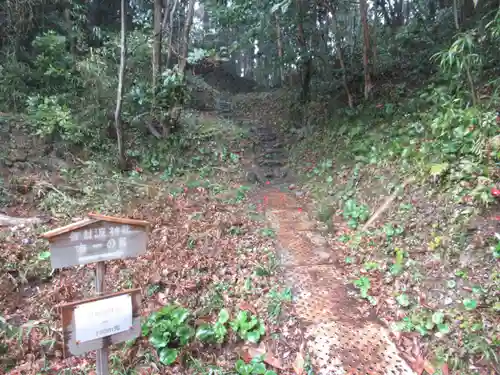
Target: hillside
(321,182)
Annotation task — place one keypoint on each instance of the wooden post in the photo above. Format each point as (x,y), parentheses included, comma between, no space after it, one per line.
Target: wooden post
(97,239)
(102,354)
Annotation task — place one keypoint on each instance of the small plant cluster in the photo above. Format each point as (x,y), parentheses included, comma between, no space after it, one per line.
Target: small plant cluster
(364,285)
(424,322)
(355,213)
(169,330)
(254,367)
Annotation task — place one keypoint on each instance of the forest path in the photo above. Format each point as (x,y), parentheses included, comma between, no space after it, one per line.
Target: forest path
(342,334)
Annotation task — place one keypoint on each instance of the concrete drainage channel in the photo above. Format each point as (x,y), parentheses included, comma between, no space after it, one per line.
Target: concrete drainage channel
(343,335)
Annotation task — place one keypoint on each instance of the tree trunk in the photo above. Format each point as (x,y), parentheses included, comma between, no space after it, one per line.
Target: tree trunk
(119,94)
(363,8)
(185,36)
(455,14)
(157,36)
(340,56)
(279,43)
(171,32)
(307,65)
(69,29)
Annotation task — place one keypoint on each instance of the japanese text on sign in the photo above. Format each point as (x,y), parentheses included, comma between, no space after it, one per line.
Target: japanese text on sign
(114,247)
(102,318)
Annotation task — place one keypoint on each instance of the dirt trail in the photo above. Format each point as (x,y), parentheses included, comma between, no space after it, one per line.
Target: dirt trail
(342,334)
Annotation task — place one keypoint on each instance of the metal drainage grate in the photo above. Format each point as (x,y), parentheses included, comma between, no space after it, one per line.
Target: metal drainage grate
(343,335)
(340,348)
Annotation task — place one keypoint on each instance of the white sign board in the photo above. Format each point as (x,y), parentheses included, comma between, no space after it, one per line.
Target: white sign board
(101,318)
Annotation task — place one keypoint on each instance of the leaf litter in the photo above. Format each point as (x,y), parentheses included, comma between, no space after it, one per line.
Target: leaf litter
(195,258)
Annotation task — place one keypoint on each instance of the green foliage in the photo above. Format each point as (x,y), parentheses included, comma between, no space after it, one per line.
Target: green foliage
(168,330)
(214,332)
(169,93)
(470,304)
(397,267)
(14,85)
(403,300)
(49,118)
(363,284)
(248,327)
(392,231)
(355,213)
(254,367)
(424,322)
(276,299)
(54,64)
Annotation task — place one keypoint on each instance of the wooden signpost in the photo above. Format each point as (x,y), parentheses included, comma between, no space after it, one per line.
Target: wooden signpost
(97,323)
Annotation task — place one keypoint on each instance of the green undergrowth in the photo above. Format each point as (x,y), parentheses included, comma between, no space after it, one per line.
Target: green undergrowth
(449,153)
(201,169)
(204,155)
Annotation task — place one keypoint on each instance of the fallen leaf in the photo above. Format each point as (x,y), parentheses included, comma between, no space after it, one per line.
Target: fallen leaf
(245,306)
(298,364)
(429,368)
(203,320)
(418,365)
(444,369)
(250,352)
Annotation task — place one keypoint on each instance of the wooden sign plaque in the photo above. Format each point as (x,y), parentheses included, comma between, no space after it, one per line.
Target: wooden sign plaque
(101,322)
(95,239)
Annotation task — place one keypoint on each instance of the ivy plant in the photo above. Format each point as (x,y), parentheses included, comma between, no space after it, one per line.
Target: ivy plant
(168,331)
(249,328)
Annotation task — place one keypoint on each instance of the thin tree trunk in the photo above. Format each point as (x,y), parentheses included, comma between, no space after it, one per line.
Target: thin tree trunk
(307,65)
(363,8)
(185,36)
(340,56)
(455,14)
(471,84)
(156,58)
(279,43)
(119,94)
(171,32)
(69,27)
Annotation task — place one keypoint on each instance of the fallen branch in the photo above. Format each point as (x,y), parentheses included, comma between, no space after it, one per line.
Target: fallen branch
(387,203)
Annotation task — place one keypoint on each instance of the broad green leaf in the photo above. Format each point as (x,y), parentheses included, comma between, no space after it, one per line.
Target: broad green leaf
(220,332)
(184,333)
(180,315)
(443,328)
(242,368)
(470,304)
(168,356)
(403,300)
(477,289)
(420,329)
(253,336)
(438,169)
(429,324)
(44,255)
(158,342)
(259,369)
(205,332)
(223,316)
(437,317)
